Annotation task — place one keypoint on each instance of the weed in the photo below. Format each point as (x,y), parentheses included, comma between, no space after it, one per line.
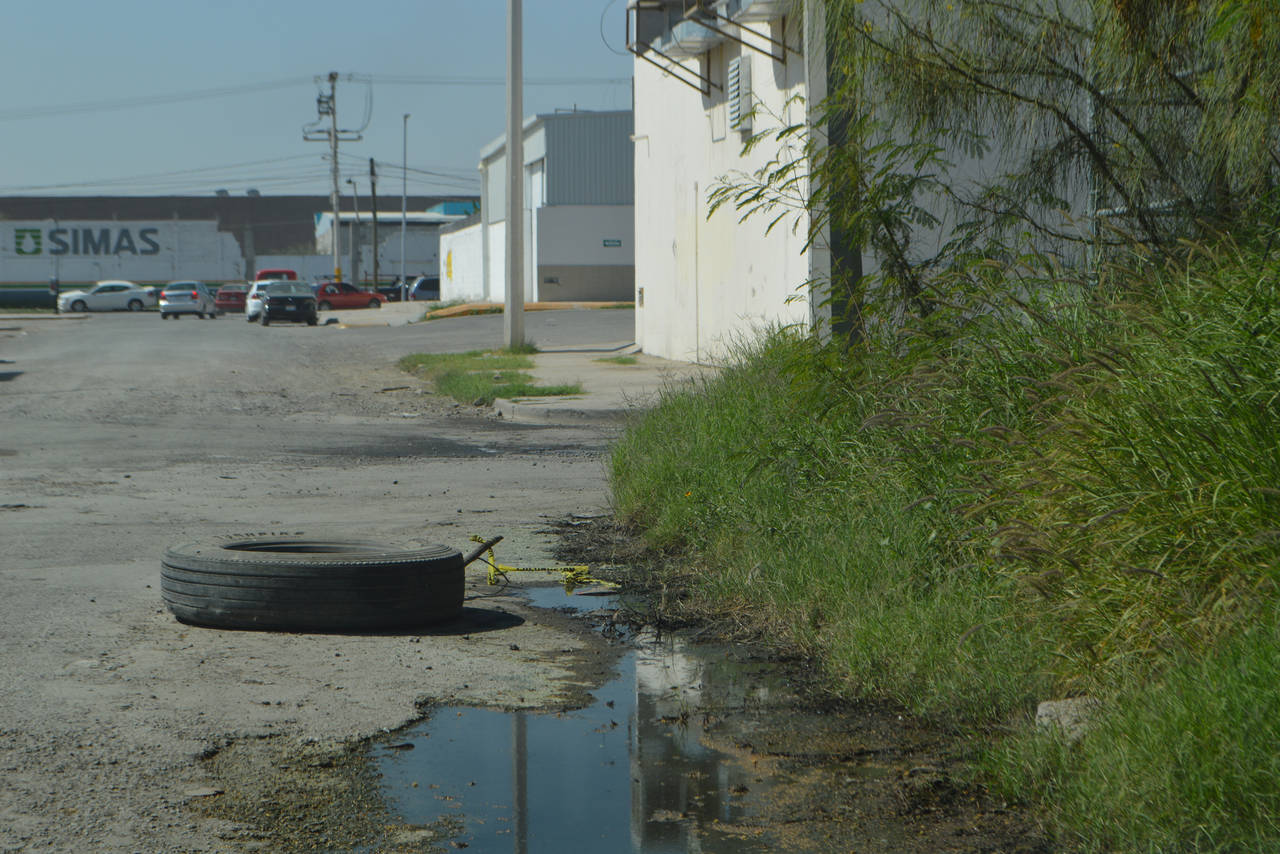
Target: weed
(1041,489)
(480,376)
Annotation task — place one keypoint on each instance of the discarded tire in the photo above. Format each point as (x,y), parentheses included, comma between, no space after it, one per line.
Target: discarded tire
(293,584)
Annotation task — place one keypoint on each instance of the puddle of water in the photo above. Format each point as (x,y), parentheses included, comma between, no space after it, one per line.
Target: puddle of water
(636,771)
(555,596)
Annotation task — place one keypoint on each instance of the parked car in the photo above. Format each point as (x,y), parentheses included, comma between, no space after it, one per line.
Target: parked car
(253,297)
(281,273)
(109,295)
(230,298)
(284,300)
(391,291)
(342,295)
(425,288)
(179,298)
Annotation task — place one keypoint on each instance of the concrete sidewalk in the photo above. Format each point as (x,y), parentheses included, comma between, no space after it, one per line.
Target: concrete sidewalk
(616,380)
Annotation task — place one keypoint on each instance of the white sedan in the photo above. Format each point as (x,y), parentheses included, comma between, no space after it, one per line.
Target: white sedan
(253,300)
(108,296)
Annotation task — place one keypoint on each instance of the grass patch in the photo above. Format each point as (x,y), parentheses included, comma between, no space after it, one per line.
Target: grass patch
(619,360)
(480,376)
(1182,762)
(1013,500)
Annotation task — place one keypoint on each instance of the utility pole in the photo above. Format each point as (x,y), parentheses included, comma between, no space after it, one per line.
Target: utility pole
(373,203)
(513,313)
(327,105)
(404,205)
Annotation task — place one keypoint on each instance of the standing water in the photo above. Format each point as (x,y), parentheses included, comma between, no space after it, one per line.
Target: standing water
(637,770)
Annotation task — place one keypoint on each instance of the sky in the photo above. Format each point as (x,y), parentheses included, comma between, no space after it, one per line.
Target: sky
(181,97)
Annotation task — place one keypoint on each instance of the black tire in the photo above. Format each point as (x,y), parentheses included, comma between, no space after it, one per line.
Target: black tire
(136,305)
(164,315)
(324,306)
(373,303)
(79,305)
(293,584)
(200,314)
(312,320)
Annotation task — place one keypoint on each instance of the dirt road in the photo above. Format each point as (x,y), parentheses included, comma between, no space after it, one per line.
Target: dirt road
(121,435)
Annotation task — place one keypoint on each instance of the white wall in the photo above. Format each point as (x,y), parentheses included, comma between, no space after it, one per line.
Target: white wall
(462,271)
(577,234)
(310,268)
(79,251)
(496,287)
(707,282)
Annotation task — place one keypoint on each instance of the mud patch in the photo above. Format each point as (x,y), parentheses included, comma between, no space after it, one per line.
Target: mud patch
(826,773)
(284,797)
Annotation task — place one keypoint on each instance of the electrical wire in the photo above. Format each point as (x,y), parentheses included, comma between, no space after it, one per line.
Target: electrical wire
(605,41)
(408,80)
(102,106)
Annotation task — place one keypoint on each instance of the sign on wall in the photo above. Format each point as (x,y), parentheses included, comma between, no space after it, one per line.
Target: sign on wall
(143,251)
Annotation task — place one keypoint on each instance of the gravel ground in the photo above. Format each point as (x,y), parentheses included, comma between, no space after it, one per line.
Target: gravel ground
(124,730)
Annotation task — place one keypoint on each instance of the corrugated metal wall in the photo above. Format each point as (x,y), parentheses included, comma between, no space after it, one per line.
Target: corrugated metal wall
(590,158)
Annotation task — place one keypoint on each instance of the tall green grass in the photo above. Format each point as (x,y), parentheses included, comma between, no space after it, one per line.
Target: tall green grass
(1017,498)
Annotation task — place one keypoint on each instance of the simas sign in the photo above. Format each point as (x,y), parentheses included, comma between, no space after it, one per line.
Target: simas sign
(85,241)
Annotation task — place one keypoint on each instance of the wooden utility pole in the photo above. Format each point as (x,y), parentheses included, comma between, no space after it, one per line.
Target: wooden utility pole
(373,194)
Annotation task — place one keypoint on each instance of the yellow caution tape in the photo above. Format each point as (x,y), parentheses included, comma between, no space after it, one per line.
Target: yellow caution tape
(575,576)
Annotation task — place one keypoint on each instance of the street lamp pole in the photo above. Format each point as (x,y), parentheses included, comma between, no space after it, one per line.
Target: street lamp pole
(404,203)
(513,310)
(355,233)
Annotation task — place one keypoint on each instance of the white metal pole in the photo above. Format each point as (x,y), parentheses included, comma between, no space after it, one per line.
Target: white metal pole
(404,205)
(355,233)
(513,314)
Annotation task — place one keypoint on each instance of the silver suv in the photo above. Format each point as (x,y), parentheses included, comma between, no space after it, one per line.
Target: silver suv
(180,298)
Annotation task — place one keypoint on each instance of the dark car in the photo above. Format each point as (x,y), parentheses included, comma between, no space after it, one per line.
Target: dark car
(391,291)
(291,301)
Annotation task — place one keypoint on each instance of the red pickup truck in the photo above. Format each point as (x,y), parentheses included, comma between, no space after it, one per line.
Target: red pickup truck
(342,295)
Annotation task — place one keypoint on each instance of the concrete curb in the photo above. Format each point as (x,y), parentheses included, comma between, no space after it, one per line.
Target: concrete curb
(556,410)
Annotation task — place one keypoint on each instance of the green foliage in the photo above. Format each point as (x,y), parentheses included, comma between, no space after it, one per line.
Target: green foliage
(1183,762)
(481,376)
(963,130)
(1043,488)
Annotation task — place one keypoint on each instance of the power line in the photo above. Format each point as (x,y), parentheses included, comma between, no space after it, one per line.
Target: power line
(105,106)
(454,80)
(102,106)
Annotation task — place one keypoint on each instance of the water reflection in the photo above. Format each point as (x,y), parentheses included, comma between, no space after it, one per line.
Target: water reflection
(636,771)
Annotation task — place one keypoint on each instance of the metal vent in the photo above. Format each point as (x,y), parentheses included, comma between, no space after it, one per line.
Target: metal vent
(738,93)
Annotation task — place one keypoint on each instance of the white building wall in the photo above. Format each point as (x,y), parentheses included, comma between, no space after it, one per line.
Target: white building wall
(82,251)
(496,287)
(310,268)
(573,160)
(592,235)
(462,270)
(701,283)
